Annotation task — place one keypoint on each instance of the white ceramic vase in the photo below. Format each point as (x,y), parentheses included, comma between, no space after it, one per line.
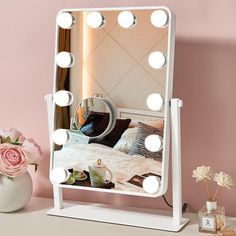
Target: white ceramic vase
(15,192)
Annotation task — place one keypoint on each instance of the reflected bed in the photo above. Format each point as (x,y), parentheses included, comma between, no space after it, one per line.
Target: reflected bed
(125,160)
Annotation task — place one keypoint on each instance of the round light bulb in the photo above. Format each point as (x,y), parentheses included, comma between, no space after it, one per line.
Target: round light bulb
(63,98)
(153,143)
(59,175)
(60,136)
(155,102)
(65,20)
(65,59)
(151,184)
(157,60)
(159,18)
(126,19)
(95,20)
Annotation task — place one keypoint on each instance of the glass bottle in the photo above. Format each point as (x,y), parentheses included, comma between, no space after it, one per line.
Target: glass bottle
(211,217)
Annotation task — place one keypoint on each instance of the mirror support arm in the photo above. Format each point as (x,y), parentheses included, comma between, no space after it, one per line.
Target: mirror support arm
(176,105)
(57,191)
(57,197)
(49,100)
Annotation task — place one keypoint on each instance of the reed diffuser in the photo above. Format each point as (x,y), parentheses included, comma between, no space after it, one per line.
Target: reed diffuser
(211,217)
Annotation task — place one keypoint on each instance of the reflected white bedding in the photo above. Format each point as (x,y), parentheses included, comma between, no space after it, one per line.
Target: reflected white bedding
(123,166)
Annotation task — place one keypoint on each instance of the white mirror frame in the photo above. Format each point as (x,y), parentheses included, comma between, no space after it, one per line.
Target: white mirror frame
(174,223)
(168,96)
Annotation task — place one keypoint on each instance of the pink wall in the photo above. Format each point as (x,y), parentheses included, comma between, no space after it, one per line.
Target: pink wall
(204,78)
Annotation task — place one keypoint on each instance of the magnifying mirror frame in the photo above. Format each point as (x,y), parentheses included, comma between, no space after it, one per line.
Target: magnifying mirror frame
(112,117)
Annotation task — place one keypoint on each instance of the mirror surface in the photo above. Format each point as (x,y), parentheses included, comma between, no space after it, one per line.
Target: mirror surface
(125,63)
(94,117)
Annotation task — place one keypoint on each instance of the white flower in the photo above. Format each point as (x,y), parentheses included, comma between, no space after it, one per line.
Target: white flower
(202,173)
(223,180)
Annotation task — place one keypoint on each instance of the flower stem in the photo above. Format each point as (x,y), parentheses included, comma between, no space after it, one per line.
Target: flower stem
(207,188)
(217,190)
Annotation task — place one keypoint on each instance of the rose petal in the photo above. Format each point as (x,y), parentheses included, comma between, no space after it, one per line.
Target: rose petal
(13,160)
(34,152)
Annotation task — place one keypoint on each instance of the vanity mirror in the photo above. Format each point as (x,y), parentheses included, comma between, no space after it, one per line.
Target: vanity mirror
(111,103)
(118,66)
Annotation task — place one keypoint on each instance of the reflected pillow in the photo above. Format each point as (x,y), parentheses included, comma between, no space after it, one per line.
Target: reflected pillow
(95,124)
(126,141)
(139,145)
(113,137)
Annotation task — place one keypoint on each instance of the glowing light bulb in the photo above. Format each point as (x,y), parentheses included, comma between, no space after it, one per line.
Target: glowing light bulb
(159,18)
(63,98)
(153,143)
(151,184)
(65,59)
(157,60)
(155,102)
(59,175)
(60,136)
(126,19)
(95,20)
(65,20)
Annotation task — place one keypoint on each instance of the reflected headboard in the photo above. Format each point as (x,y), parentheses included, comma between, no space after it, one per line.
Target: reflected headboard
(138,114)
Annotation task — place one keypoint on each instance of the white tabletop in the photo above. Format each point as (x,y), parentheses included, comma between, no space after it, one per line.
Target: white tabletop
(33,221)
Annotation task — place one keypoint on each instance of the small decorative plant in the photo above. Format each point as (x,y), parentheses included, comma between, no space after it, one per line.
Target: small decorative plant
(206,174)
(17,152)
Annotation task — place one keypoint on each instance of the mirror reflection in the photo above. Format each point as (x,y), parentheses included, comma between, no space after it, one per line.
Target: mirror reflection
(115,69)
(94,117)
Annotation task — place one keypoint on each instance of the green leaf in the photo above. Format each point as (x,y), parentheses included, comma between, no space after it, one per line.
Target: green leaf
(8,140)
(3,140)
(17,144)
(10,178)
(35,167)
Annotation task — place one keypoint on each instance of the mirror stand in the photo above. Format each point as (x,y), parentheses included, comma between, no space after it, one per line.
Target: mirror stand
(152,219)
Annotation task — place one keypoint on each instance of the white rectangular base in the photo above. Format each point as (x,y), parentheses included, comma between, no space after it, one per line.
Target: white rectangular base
(138,217)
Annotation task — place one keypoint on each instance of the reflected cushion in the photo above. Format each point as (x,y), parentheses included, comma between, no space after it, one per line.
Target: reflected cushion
(95,124)
(113,137)
(138,146)
(126,141)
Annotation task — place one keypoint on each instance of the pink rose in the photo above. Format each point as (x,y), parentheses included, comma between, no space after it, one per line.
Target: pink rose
(14,134)
(13,161)
(32,150)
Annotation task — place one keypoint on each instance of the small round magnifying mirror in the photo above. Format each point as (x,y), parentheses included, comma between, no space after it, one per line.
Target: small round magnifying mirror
(95,117)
